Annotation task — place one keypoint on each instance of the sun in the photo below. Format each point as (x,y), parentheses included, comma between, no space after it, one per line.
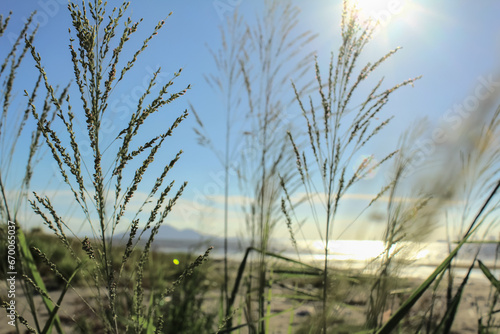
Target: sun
(388,14)
(386,18)
(379,10)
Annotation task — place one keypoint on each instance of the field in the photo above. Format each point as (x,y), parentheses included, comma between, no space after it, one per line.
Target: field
(295,168)
(294,299)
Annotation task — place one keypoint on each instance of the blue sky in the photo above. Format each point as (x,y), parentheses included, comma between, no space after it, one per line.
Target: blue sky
(454,45)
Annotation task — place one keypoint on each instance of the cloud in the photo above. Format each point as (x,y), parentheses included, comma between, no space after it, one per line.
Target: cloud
(320,198)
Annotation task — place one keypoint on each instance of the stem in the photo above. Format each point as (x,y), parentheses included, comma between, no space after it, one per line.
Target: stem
(226,198)
(2,188)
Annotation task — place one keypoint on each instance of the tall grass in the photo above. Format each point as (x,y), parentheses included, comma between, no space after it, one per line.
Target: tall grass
(411,217)
(271,63)
(96,51)
(10,135)
(15,124)
(391,324)
(258,59)
(338,131)
(228,82)
(467,184)
(14,181)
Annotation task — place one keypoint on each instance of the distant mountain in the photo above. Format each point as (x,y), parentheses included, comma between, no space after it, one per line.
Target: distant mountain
(170,239)
(167,232)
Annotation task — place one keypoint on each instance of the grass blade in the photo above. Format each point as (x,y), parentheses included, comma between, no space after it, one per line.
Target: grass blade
(407,305)
(53,314)
(269,300)
(447,321)
(35,274)
(489,275)
(150,328)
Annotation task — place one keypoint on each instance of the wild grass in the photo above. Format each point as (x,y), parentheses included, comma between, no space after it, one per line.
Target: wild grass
(411,217)
(264,70)
(246,64)
(460,193)
(158,275)
(132,288)
(228,82)
(95,49)
(337,133)
(13,128)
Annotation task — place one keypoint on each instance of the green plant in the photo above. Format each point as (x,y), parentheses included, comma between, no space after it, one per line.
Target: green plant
(410,219)
(338,133)
(13,127)
(98,68)
(467,185)
(248,64)
(390,325)
(485,328)
(185,311)
(229,84)
(266,67)
(14,188)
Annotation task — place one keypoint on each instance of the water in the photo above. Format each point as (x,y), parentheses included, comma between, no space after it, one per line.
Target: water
(420,258)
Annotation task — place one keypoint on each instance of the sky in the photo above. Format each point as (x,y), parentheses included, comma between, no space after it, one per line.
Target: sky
(454,45)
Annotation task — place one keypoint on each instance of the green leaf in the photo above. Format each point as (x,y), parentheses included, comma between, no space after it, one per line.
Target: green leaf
(405,308)
(150,328)
(37,278)
(53,314)
(451,311)
(489,275)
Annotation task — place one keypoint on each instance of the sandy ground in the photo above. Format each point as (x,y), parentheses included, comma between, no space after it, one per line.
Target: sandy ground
(474,304)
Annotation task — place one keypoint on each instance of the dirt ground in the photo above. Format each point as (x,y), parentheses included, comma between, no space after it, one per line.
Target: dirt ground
(473,305)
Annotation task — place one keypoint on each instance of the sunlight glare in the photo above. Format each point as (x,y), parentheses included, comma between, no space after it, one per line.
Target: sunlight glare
(389,14)
(352,250)
(380,11)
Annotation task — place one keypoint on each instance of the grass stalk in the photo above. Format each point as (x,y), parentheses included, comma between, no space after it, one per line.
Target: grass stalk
(337,133)
(405,307)
(97,71)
